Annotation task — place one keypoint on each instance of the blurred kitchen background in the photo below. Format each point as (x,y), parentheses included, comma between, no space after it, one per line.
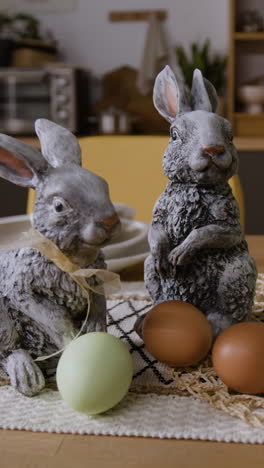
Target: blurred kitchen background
(90,66)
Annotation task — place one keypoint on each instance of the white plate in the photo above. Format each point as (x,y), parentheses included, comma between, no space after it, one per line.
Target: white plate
(129,248)
(118,264)
(11,226)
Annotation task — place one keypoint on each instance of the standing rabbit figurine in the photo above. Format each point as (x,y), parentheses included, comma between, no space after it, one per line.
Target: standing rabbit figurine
(198,252)
(41,307)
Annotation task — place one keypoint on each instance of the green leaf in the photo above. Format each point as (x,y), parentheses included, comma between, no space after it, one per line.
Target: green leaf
(213,67)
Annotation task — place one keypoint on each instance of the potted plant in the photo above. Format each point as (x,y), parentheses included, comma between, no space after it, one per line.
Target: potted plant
(213,67)
(22,43)
(33,47)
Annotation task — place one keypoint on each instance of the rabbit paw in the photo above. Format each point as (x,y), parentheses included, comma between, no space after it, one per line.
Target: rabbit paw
(24,373)
(181,255)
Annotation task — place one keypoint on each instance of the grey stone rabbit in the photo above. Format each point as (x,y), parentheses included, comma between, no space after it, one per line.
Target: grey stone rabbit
(198,252)
(41,307)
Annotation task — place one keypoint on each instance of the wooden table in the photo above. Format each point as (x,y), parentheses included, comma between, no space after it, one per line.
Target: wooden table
(21,449)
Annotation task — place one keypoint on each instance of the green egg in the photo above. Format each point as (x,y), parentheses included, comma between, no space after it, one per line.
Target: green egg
(94,372)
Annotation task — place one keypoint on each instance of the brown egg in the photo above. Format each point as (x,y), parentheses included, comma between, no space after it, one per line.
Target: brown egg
(238,357)
(177,333)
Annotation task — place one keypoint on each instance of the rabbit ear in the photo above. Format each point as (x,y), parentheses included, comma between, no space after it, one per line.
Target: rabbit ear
(166,94)
(204,96)
(58,145)
(20,163)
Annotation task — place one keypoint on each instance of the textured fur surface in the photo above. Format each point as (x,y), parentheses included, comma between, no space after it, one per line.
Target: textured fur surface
(198,252)
(41,307)
(33,278)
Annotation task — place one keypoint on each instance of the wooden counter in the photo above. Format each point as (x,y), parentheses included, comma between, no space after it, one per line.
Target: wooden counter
(37,450)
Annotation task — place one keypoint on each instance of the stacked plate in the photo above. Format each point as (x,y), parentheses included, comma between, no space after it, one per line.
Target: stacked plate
(128,248)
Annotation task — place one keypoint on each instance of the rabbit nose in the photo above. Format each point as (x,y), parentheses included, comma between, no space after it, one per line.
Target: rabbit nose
(110,222)
(214,150)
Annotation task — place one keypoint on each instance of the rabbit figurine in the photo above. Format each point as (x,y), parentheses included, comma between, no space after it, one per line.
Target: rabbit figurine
(197,251)
(41,307)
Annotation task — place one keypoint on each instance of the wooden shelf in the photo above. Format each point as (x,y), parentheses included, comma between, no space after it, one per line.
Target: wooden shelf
(247,116)
(243,36)
(255,144)
(136,15)
(242,46)
(248,125)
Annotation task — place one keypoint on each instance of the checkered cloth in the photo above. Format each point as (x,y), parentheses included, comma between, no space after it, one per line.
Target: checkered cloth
(149,374)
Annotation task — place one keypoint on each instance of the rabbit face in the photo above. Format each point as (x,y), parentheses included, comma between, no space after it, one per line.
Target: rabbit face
(200,149)
(73,209)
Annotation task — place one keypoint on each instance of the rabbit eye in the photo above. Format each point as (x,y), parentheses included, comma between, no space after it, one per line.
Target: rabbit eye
(59,205)
(174,134)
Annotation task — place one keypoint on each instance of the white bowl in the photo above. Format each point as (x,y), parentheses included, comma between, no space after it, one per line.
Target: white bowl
(118,264)
(253,97)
